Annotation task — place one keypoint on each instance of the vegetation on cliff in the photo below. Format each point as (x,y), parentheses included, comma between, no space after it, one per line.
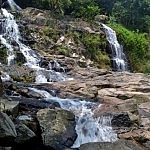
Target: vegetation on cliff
(131,20)
(136,46)
(133,14)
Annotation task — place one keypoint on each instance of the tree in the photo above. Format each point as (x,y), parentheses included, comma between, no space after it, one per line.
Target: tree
(85,8)
(56,6)
(132,13)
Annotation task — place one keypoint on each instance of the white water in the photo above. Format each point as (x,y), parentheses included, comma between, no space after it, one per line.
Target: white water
(118,57)
(13,5)
(11,34)
(5,77)
(88,127)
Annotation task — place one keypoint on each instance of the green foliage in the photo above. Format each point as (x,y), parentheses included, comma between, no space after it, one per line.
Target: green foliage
(106,5)
(55,6)
(84,8)
(23,78)
(47,32)
(95,46)
(133,14)
(3,55)
(63,50)
(136,44)
(78,8)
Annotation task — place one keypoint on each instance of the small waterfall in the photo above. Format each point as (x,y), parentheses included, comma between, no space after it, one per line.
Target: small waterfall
(88,127)
(5,77)
(13,5)
(119,60)
(10,34)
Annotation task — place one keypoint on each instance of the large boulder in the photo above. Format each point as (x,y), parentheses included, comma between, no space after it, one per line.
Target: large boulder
(58,128)
(8,106)
(118,145)
(7,130)
(24,134)
(120,120)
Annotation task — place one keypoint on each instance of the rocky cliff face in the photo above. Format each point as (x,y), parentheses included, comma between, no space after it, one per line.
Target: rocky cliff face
(68,37)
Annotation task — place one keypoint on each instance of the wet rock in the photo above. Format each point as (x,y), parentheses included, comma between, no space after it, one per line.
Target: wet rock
(144,113)
(141,136)
(120,120)
(29,103)
(147,144)
(21,73)
(29,121)
(20,59)
(118,145)
(1,86)
(8,106)
(105,84)
(101,18)
(29,93)
(24,134)
(7,130)
(3,55)
(58,128)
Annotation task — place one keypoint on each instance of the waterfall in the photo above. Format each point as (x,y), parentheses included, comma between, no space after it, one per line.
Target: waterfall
(119,60)
(5,76)
(10,34)
(13,6)
(88,127)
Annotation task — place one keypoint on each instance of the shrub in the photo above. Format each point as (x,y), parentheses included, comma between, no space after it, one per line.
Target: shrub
(85,9)
(96,46)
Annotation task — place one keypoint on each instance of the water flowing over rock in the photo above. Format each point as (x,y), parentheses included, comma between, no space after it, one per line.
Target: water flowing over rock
(88,128)
(119,60)
(92,110)
(13,5)
(11,34)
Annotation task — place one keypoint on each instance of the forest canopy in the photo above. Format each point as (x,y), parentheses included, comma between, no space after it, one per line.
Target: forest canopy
(133,14)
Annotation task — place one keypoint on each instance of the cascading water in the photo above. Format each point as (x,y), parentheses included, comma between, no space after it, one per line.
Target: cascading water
(10,34)
(119,59)
(13,5)
(88,127)
(5,76)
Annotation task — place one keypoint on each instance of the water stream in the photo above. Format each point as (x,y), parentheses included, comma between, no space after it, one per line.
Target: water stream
(88,127)
(119,60)
(10,34)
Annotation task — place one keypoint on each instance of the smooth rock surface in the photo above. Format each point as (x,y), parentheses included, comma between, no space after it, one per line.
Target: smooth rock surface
(8,106)
(7,130)
(58,128)
(24,134)
(118,145)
